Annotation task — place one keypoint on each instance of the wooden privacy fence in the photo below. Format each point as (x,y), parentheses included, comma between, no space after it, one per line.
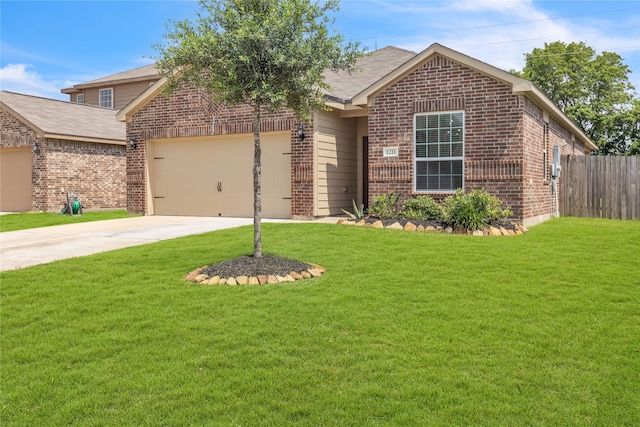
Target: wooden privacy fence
(600,187)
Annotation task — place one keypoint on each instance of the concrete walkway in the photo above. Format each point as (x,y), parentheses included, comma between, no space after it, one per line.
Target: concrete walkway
(24,248)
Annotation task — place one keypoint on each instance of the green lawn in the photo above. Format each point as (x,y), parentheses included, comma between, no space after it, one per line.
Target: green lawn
(405,328)
(23,221)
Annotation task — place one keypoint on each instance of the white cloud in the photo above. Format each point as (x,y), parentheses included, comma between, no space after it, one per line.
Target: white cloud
(500,32)
(23,78)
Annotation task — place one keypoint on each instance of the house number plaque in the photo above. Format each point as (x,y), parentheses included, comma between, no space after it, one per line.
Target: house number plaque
(389,151)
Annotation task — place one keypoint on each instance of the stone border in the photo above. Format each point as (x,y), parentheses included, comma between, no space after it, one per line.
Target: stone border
(409,226)
(196,276)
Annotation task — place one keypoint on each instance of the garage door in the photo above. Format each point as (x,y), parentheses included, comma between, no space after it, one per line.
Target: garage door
(15,180)
(214,176)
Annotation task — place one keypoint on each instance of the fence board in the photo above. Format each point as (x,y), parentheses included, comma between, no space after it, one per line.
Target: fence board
(600,187)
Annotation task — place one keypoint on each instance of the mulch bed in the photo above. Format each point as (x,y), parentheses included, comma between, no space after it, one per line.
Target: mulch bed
(268,265)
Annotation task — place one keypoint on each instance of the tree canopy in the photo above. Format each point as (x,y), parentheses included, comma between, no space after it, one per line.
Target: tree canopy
(593,90)
(268,54)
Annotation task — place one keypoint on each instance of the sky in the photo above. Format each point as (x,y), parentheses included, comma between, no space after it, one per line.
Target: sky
(46,46)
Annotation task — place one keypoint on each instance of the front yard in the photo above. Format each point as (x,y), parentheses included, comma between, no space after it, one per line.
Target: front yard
(404,328)
(26,220)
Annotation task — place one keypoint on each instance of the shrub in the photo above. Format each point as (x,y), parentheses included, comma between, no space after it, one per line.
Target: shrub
(421,208)
(358,212)
(474,210)
(385,206)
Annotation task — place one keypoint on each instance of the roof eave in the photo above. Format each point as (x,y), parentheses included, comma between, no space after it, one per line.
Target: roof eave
(84,138)
(529,90)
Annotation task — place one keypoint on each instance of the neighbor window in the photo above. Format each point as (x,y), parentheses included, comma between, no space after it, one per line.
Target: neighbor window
(106,98)
(80,98)
(439,151)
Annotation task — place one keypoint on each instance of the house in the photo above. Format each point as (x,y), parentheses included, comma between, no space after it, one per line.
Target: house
(425,123)
(114,91)
(50,147)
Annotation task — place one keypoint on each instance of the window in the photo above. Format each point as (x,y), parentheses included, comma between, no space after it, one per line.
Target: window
(439,151)
(106,98)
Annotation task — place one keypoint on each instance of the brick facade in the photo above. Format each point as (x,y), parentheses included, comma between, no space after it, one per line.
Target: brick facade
(190,112)
(503,135)
(94,172)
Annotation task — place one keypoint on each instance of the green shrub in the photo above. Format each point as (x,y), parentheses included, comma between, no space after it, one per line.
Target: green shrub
(358,212)
(421,208)
(385,206)
(474,210)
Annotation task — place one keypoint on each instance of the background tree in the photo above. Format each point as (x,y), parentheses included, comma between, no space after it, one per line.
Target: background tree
(593,90)
(268,54)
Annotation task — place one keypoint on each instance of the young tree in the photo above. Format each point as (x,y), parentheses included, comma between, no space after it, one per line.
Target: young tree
(593,90)
(268,54)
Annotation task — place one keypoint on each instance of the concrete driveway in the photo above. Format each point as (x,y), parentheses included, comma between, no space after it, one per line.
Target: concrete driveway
(19,249)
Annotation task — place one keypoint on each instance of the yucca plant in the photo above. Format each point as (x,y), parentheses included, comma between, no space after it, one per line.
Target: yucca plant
(358,212)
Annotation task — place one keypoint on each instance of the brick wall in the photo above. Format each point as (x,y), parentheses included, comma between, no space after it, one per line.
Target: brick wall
(504,136)
(189,112)
(94,172)
(493,130)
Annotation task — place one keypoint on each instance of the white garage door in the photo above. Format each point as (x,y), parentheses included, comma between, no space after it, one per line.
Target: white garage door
(15,180)
(214,176)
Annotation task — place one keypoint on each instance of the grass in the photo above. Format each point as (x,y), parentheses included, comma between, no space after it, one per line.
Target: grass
(403,329)
(23,221)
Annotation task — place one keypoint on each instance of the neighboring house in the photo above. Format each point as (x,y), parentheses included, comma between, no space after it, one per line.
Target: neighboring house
(114,91)
(425,123)
(50,147)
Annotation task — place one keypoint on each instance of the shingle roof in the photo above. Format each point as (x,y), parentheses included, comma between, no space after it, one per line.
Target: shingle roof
(59,119)
(147,72)
(369,69)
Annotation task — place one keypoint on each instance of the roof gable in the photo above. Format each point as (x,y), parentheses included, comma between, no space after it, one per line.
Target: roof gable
(519,86)
(383,68)
(56,119)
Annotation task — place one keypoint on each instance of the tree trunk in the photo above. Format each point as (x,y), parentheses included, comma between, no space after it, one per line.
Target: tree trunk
(257,190)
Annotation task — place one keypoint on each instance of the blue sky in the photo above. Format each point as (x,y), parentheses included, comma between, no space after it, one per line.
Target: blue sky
(50,45)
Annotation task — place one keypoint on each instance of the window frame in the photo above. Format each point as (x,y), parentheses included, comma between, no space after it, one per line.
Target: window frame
(110,89)
(427,159)
(79,97)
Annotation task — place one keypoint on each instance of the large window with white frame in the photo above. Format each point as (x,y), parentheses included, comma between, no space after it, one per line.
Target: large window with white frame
(439,151)
(105,98)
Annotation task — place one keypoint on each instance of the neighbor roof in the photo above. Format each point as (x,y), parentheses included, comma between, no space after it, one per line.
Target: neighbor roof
(56,119)
(147,72)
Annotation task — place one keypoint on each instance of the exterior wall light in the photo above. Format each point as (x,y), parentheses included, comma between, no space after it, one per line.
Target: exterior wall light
(133,142)
(301,132)
(35,147)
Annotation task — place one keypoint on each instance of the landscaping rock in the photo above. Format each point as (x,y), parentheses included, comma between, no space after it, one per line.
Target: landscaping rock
(201,278)
(272,280)
(410,226)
